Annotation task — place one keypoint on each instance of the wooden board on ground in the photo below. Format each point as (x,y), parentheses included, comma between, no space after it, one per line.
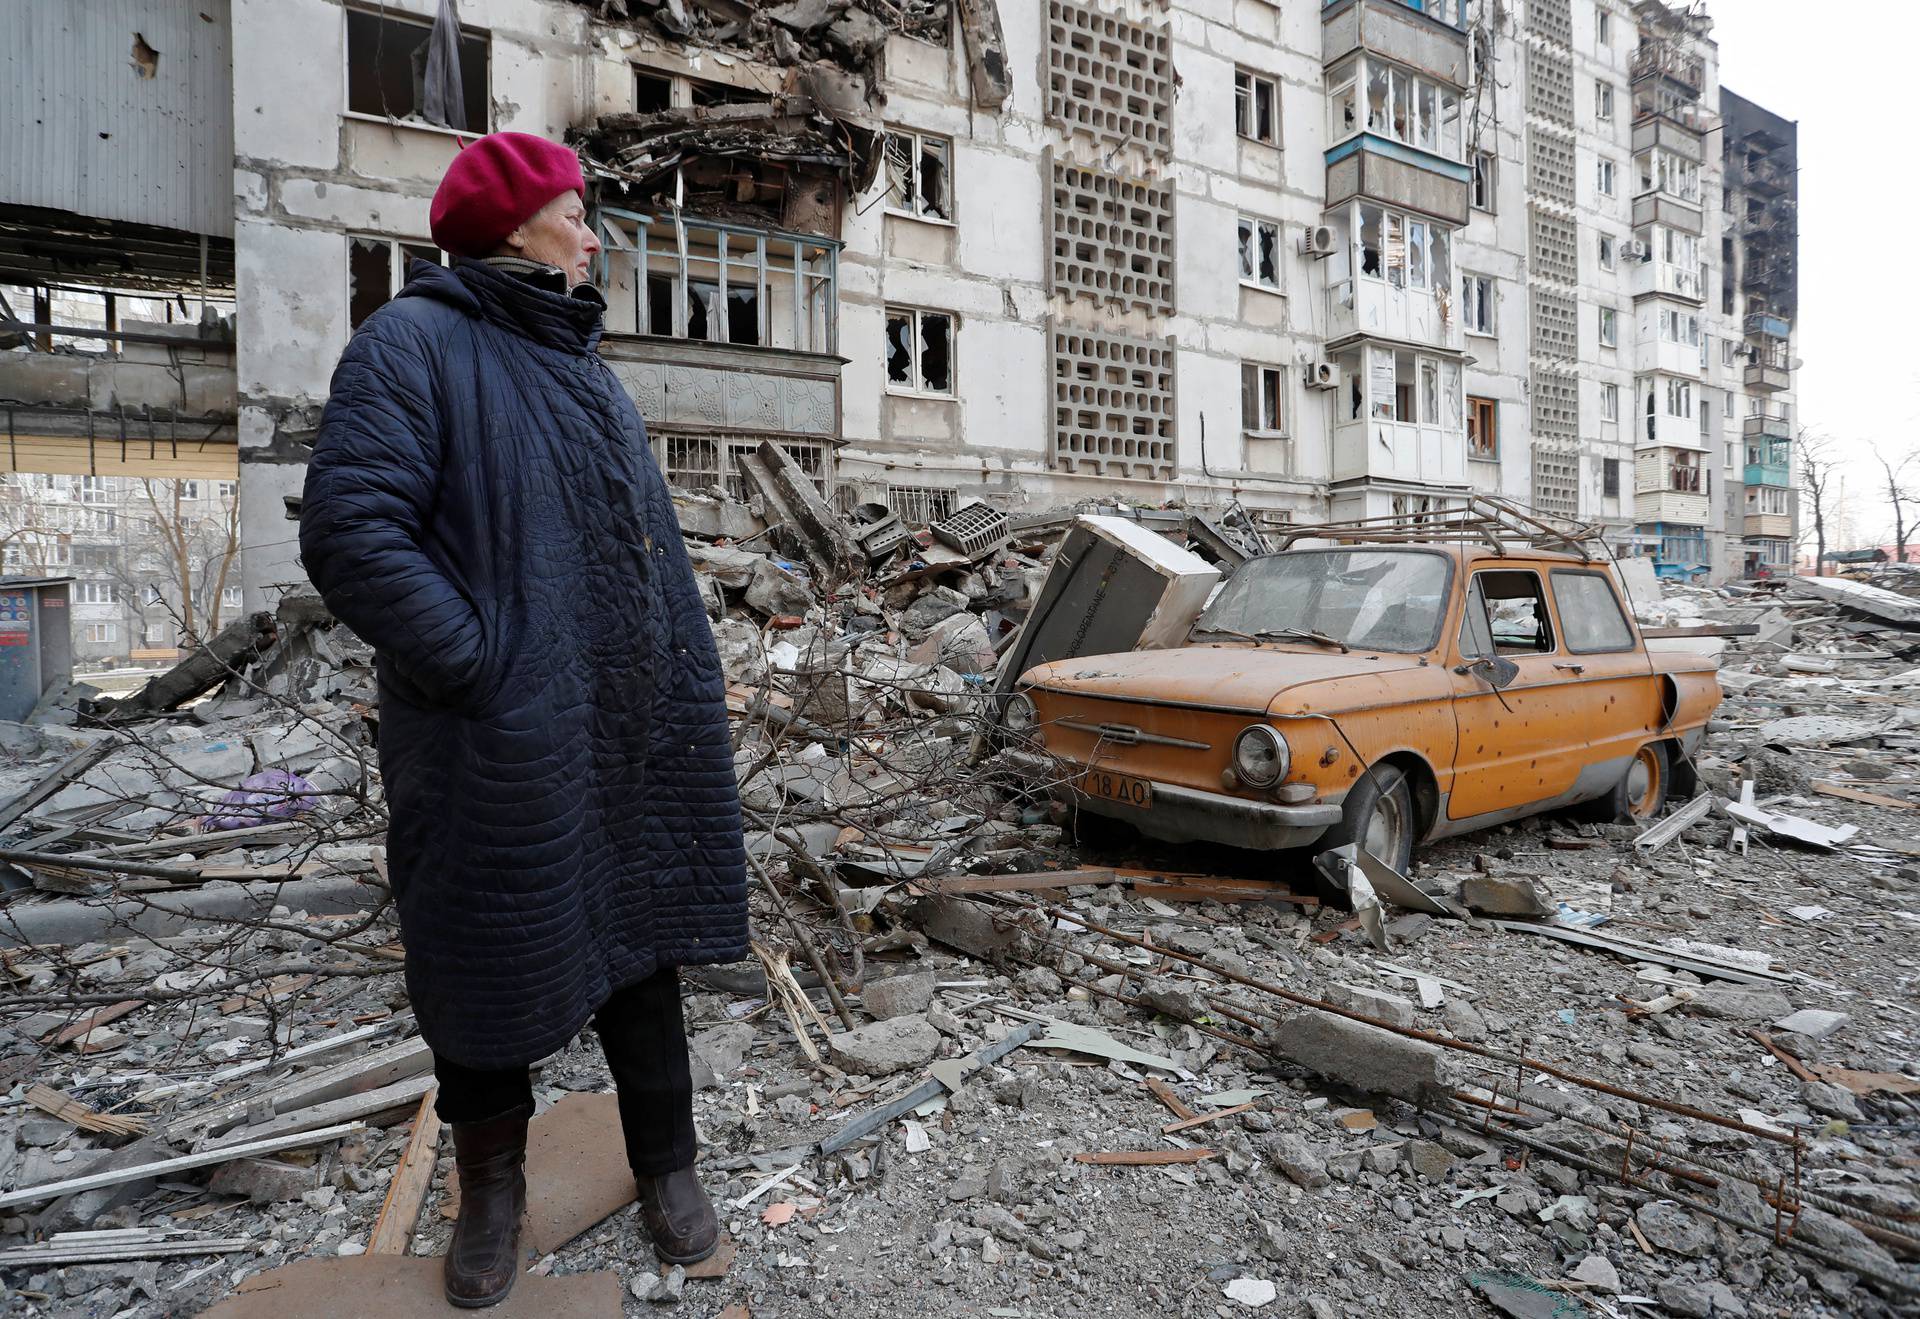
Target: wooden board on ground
(577,1172)
(402,1287)
(412,1178)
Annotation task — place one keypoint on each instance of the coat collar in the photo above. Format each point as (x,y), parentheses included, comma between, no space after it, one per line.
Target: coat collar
(566,322)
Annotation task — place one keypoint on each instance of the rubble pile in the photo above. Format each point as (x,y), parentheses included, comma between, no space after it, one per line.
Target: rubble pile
(975,1064)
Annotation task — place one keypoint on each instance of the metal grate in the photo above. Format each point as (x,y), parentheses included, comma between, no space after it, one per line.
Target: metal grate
(919,505)
(1112,238)
(1555,325)
(1553,247)
(976,530)
(700,462)
(1109,77)
(1550,162)
(1550,86)
(1112,404)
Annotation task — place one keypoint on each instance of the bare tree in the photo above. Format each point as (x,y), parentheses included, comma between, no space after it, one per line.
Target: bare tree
(195,543)
(1900,495)
(1816,476)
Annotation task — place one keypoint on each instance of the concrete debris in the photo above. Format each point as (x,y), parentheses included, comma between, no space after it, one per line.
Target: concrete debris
(1063,1062)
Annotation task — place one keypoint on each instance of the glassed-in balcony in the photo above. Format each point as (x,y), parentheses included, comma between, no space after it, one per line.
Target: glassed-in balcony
(1769,462)
(1391,276)
(1399,416)
(1765,325)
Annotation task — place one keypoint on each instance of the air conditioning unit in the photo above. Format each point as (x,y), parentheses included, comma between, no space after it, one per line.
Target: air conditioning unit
(1635,250)
(1321,375)
(1316,240)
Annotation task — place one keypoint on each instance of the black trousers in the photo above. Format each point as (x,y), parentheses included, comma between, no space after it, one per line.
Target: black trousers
(645,1040)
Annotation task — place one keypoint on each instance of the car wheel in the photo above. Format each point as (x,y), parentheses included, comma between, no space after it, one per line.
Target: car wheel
(1642,790)
(1378,814)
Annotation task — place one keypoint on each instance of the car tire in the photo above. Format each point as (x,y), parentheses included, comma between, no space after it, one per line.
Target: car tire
(1641,793)
(1378,814)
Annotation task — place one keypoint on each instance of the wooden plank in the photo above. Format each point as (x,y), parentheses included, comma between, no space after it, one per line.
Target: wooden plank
(381,1068)
(1204,1118)
(358,1109)
(1034,879)
(57,778)
(1794,1065)
(54,1252)
(1855,794)
(98,1017)
(393,1230)
(64,1106)
(184,1163)
(1164,1093)
(1144,1158)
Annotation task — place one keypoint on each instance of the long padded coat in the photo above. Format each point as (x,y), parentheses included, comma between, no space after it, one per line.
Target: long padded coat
(483,508)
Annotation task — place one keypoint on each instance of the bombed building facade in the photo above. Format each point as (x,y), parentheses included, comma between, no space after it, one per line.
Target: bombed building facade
(1354,261)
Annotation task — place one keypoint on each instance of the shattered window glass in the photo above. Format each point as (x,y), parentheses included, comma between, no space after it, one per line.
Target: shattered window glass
(919,180)
(1246,248)
(932,190)
(1379,79)
(1380,600)
(1370,250)
(900,348)
(386,69)
(936,353)
(369,277)
(899,158)
(1270,255)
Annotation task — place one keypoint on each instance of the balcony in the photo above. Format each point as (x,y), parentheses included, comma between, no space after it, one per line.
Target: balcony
(1771,274)
(1422,39)
(1767,426)
(1774,220)
(1761,174)
(1400,451)
(1767,376)
(1671,432)
(1765,474)
(1657,58)
(1653,353)
(1373,309)
(1666,209)
(1666,279)
(1763,325)
(737,390)
(1671,506)
(1767,524)
(1399,176)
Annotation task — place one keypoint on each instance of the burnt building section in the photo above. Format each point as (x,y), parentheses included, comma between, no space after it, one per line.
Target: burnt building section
(116,241)
(1760,250)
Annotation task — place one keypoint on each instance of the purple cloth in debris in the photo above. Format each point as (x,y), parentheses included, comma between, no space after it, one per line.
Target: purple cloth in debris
(272,794)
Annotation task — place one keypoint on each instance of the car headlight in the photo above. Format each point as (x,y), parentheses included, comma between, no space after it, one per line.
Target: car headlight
(1260,756)
(1020,715)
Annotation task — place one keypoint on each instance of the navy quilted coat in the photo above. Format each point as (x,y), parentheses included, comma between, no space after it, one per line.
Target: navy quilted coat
(483,508)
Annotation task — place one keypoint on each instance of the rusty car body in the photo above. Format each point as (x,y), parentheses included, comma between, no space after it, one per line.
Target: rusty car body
(1380,693)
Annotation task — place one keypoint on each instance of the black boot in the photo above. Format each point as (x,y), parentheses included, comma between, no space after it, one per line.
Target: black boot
(484,1257)
(678,1216)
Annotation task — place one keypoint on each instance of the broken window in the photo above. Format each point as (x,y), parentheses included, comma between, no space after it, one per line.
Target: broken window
(1483,427)
(1606,251)
(1609,327)
(1683,472)
(1379,85)
(1260,252)
(1605,179)
(1417,253)
(723,284)
(1403,384)
(1610,403)
(1256,106)
(652,92)
(919,351)
(1260,411)
(1481,192)
(1372,260)
(1396,249)
(1429,392)
(377,269)
(387,69)
(1343,102)
(1590,613)
(918,178)
(1679,398)
(1476,300)
(1380,383)
(1516,612)
(1602,99)
(1767,499)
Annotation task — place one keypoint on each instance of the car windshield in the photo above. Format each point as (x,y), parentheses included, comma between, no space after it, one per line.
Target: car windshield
(1366,599)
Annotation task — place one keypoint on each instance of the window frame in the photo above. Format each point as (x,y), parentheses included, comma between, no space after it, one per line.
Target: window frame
(1603,100)
(380,13)
(914,340)
(1606,582)
(1247,85)
(1544,613)
(1609,252)
(911,184)
(1488,325)
(1262,374)
(398,250)
(1610,403)
(1251,226)
(1608,327)
(1478,447)
(1482,181)
(1606,173)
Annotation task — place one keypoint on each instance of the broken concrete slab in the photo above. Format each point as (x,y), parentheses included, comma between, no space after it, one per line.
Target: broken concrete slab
(1505,895)
(1389,1008)
(1739,1003)
(882,1048)
(1814,1023)
(403,1287)
(1356,1054)
(887,997)
(264,1181)
(1887,606)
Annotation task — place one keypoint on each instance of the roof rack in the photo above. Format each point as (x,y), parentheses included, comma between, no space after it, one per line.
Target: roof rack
(1499,524)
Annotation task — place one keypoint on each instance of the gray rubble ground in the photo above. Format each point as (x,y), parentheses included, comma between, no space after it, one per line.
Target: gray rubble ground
(1348,1202)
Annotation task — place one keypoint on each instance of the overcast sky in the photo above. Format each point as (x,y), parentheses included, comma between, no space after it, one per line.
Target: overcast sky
(1846,70)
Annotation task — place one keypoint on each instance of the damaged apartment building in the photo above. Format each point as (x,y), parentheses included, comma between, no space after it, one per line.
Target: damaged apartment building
(1354,260)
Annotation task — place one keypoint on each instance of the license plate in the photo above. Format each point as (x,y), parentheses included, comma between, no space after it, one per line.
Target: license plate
(1117,787)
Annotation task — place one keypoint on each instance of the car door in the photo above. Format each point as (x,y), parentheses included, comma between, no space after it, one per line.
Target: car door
(1603,656)
(1525,743)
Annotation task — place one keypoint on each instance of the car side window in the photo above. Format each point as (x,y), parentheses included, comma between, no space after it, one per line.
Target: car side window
(1516,612)
(1590,616)
(1476,638)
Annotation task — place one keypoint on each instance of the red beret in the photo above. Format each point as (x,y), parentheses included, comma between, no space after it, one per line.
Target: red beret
(494,185)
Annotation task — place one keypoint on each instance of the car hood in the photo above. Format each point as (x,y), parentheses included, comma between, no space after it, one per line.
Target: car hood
(1241,678)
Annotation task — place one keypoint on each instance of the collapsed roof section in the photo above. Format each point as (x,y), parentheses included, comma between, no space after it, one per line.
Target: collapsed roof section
(785,156)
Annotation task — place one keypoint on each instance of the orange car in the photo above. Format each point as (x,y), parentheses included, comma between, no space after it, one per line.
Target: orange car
(1381,693)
